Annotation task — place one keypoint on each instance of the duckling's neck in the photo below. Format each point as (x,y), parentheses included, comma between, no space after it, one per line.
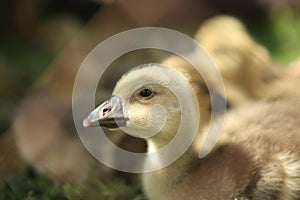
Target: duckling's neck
(164,138)
(158,184)
(183,162)
(155,144)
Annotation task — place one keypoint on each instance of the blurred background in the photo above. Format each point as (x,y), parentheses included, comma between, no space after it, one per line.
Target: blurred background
(42,44)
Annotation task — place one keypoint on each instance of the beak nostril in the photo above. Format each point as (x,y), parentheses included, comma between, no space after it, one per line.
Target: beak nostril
(105,111)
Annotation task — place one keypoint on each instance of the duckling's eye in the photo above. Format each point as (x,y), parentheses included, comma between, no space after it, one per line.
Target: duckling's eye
(145,93)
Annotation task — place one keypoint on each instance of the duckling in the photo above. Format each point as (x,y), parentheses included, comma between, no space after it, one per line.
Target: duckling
(44,139)
(256,157)
(245,65)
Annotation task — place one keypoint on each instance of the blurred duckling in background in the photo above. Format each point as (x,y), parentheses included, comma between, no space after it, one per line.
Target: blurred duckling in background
(43,128)
(247,68)
(256,157)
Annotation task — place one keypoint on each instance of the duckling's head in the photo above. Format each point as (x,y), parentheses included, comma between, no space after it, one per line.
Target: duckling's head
(147,101)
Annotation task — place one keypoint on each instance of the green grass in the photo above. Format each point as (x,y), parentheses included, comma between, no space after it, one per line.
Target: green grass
(280,34)
(30,186)
(118,189)
(286,34)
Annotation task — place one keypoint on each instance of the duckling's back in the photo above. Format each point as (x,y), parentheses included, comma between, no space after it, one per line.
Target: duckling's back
(258,154)
(257,158)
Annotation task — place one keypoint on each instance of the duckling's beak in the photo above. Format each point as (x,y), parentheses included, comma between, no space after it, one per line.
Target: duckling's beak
(109,114)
